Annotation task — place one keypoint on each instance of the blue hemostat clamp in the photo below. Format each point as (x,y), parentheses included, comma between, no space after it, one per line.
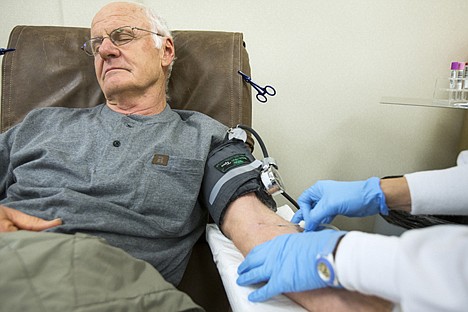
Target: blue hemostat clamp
(261,91)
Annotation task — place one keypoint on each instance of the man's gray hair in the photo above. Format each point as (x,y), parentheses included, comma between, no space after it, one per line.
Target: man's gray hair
(158,25)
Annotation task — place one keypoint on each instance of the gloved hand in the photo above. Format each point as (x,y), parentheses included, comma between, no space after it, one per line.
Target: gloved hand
(286,263)
(327,199)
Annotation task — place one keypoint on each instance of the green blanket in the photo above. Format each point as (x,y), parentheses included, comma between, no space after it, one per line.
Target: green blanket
(59,272)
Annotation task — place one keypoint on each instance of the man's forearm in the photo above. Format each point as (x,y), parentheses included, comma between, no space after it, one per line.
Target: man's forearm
(248,223)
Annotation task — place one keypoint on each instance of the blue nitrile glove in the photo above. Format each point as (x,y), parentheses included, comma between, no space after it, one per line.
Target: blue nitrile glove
(326,199)
(286,263)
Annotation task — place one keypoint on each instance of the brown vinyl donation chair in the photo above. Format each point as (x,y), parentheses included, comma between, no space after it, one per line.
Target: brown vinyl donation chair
(49,69)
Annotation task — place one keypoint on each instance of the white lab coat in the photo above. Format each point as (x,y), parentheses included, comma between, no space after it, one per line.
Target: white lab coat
(424,269)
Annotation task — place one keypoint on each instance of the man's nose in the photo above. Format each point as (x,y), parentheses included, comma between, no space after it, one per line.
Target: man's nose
(108,49)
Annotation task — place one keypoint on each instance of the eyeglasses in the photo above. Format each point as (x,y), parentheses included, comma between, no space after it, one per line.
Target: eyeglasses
(118,37)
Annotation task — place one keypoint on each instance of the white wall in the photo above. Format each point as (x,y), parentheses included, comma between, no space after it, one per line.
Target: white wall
(330,62)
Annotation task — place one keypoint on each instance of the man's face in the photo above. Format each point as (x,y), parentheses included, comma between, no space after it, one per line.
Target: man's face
(135,67)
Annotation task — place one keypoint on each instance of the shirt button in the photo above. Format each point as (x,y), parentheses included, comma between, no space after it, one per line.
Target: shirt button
(116,143)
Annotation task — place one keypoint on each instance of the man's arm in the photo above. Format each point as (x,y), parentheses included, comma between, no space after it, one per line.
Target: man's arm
(248,223)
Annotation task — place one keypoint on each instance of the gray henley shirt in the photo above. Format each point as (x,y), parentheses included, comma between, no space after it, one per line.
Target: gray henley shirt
(133,180)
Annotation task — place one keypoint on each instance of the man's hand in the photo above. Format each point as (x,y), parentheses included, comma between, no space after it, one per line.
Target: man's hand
(13,220)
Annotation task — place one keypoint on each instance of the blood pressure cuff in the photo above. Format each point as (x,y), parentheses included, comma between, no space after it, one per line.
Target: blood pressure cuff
(230,172)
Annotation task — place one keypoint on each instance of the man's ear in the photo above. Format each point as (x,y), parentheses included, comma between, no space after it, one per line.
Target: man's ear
(168,51)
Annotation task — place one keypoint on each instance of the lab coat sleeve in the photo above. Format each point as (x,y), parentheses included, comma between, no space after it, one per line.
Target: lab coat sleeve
(440,191)
(423,270)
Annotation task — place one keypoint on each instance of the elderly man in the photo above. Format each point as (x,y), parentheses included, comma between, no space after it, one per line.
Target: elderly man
(133,179)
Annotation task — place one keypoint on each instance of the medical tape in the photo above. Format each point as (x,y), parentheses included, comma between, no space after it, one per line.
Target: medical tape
(230,175)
